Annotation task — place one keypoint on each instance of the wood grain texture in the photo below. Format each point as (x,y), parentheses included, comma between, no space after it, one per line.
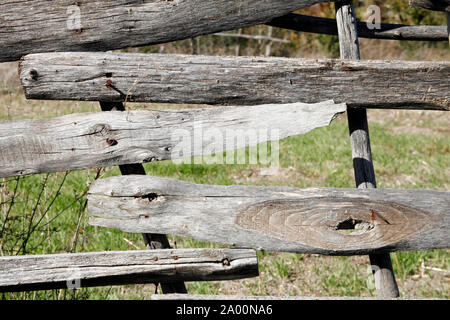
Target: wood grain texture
(275,218)
(386,31)
(435,5)
(91,140)
(235,80)
(101,25)
(43,272)
(347,30)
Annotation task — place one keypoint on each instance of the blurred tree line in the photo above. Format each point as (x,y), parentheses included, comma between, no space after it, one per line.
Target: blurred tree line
(303,44)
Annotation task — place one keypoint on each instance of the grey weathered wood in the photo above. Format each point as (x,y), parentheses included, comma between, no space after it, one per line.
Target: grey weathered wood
(347,30)
(152,241)
(202,297)
(235,80)
(91,140)
(447,14)
(387,31)
(435,5)
(43,272)
(275,218)
(48,26)
(360,142)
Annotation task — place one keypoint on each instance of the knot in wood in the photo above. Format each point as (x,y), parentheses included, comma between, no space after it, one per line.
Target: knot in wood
(337,224)
(111,142)
(100,130)
(33,74)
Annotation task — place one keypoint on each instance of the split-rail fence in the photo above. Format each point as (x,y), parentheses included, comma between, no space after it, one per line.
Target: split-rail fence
(294,96)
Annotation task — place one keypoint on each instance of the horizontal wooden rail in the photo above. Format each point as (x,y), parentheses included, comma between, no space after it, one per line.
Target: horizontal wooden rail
(98,25)
(92,140)
(435,5)
(235,80)
(44,272)
(387,31)
(320,220)
(250,37)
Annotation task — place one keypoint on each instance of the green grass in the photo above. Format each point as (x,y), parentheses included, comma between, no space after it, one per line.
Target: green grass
(44,220)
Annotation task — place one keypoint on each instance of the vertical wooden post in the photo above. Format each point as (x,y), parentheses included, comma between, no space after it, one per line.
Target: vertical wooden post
(152,241)
(269,42)
(237,50)
(360,142)
(447,14)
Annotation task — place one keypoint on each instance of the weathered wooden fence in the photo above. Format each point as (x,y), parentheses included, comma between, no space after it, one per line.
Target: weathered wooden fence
(292,96)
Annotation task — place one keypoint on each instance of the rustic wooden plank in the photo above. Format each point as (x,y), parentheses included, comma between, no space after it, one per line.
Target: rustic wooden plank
(43,272)
(435,5)
(91,140)
(275,218)
(203,297)
(100,25)
(235,80)
(360,141)
(388,31)
(152,241)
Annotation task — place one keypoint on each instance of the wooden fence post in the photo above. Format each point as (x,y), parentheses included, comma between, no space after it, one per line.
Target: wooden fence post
(152,241)
(360,142)
(447,14)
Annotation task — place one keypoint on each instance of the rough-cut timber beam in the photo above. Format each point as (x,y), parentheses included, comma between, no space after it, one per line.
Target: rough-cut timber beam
(388,31)
(100,25)
(275,218)
(435,5)
(92,140)
(235,80)
(43,272)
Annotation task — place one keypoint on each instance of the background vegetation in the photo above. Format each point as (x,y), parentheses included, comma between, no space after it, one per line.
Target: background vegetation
(46,213)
